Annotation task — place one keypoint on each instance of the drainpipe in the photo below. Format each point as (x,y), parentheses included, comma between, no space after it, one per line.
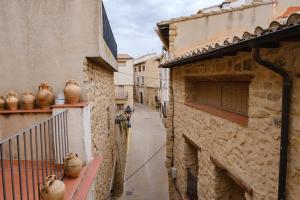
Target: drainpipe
(285,115)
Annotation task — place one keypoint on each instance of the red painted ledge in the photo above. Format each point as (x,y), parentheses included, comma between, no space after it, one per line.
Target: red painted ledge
(25,111)
(78,188)
(231,116)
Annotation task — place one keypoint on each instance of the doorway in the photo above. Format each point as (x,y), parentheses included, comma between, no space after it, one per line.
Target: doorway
(192,167)
(141,98)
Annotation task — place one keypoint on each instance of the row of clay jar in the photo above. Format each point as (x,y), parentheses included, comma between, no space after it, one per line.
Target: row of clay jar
(54,189)
(44,98)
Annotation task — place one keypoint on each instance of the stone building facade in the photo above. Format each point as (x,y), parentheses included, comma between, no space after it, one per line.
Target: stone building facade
(147,80)
(100,90)
(224,119)
(123,81)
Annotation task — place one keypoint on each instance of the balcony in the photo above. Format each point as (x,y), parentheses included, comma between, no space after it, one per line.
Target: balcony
(121,95)
(32,154)
(108,35)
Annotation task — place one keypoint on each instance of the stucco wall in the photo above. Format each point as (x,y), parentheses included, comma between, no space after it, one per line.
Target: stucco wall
(44,41)
(13,123)
(186,35)
(124,76)
(251,151)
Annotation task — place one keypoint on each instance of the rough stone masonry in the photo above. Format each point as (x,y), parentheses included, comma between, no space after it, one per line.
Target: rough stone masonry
(249,151)
(99,89)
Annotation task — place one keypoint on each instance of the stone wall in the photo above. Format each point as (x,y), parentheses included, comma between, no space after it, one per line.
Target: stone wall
(150,97)
(99,88)
(249,151)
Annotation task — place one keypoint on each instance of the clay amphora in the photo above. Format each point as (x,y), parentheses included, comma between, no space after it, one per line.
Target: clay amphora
(72,92)
(12,101)
(28,100)
(45,96)
(2,103)
(53,189)
(72,165)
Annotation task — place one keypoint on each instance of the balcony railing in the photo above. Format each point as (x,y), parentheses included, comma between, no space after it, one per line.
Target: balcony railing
(108,34)
(32,154)
(121,95)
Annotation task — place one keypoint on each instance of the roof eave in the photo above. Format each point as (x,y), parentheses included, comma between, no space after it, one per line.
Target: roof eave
(262,41)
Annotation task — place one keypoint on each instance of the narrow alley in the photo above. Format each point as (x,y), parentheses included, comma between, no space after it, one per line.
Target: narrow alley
(146,141)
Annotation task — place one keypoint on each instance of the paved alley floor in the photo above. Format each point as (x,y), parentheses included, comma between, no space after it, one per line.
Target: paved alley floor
(146,137)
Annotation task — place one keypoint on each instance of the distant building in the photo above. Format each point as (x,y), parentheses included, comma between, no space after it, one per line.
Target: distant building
(123,81)
(147,80)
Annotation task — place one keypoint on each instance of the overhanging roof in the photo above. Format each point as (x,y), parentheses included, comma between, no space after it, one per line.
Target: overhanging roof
(99,61)
(278,31)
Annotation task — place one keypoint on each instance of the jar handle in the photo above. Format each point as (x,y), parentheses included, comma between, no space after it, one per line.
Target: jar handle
(76,83)
(50,88)
(47,185)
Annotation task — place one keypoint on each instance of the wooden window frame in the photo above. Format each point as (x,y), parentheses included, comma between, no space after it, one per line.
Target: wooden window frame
(219,111)
(231,116)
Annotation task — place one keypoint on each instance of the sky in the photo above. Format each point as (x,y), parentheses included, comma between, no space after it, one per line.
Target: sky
(133,21)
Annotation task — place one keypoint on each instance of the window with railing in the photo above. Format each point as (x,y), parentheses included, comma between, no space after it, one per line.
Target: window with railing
(143,80)
(108,34)
(27,157)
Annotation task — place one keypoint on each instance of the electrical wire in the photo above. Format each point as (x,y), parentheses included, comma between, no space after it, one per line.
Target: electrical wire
(141,167)
(144,164)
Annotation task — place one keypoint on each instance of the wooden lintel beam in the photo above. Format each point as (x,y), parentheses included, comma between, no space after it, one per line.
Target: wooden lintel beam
(190,141)
(235,177)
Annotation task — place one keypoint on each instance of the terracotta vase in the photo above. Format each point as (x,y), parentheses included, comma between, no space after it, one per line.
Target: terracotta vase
(45,96)
(53,189)
(72,165)
(2,103)
(28,100)
(72,92)
(12,101)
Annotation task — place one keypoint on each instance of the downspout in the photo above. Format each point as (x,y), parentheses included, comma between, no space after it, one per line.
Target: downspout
(285,118)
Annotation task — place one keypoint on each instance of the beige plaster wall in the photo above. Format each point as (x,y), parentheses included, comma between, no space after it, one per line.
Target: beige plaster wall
(13,123)
(252,151)
(188,34)
(48,41)
(124,76)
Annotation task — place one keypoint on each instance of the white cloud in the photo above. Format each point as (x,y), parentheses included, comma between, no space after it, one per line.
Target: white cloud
(133,21)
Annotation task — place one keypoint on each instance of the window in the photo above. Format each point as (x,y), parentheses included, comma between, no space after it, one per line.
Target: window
(232,96)
(138,80)
(135,69)
(144,68)
(143,81)
(121,88)
(139,68)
